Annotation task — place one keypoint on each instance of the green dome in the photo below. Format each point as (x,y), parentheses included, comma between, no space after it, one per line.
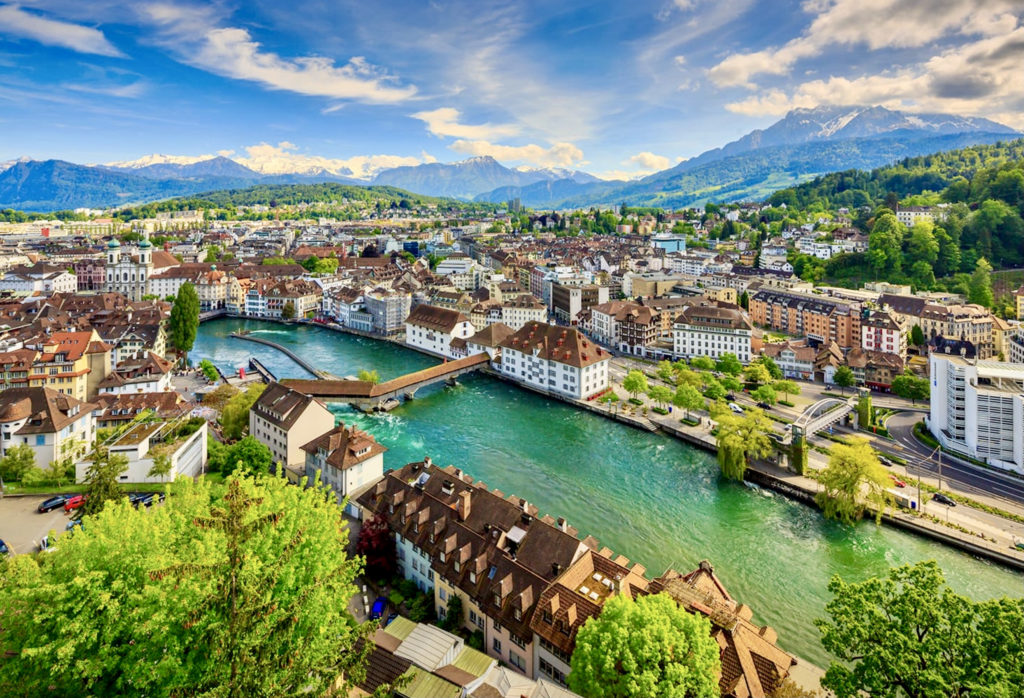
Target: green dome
(145,244)
(113,244)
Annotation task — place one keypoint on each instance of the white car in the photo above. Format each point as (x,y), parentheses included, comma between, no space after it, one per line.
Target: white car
(735,408)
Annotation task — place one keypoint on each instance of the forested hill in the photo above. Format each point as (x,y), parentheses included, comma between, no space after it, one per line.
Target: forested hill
(969,175)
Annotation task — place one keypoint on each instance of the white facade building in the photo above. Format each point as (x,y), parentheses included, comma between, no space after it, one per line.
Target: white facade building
(432,329)
(712,330)
(555,359)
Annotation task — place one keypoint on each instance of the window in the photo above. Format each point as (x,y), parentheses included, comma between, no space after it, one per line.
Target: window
(443,594)
(546,617)
(516,661)
(497,625)
(496,646)
(40,439)
(458,566)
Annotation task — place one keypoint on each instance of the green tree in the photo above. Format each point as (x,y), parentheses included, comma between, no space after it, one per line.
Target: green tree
(844,378)
(745,300)
(921,243)
(211,254)
(910,636)
(885,244)
(57,471)
(247,456)
(917,336)
(645,648)
(729,363)
(713,388)
(184,321)
(787,388)
(731,383)
(773,368)
(234,418)
(741,438)
(660,394)
(923,275)
(980,289)
(688,398)
(233,590)
(666,371)
(635,383)
(369,376)
(288,310)
(161,466)
(757,373)
(766,394)
(853,479)
(703,363)
(18,460)
(910,386)
(101,480)
(209,370)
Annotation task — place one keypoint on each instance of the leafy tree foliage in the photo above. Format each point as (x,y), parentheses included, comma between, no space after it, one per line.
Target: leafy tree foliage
(909,635)
(647,648)
(769,363)
(234,418)
(209,370)
(660,394)
(741,438)
(844,377)
(729,363)
(369,376)
(786,387)
(19,459)
(757,373)
(236,590)
(703,363)
(765,393)
(635,383)
(288,310)
(852,478)
(980,289)
(184,321)
(101,481)
(910,386)
(688,398)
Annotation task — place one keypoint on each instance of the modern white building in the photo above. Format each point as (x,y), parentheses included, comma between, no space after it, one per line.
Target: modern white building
(712,329)
(182,443)
(432,329)
(977,408)
(554,359)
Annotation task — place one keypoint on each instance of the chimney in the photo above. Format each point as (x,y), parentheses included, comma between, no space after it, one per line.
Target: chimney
(562,524)
(426,461)
(465,498)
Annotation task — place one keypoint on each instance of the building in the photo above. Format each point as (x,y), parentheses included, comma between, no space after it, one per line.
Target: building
(816,317)
(389,310)
(967,322)
(145,373)
(182,443)
(568,300)
(53,424)
(347,460)
(128,274)
(555,359)
(977,408)
(284,420)
(712,329)
(433,329)
(909,215)
(881,331)
(73,363)
(39,278)
(517,312)
(1018,297)
(118,410)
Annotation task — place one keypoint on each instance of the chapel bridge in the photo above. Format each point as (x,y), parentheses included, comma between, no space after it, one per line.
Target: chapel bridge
(373,396)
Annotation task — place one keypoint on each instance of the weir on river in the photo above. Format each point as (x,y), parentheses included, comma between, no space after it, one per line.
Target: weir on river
(646,496)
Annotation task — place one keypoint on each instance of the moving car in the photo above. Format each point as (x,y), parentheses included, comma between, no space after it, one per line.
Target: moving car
(730,397)
(896,481)
(943,499)
(74,502)
(885,461)
(52,503)
(764,405)
(735,408)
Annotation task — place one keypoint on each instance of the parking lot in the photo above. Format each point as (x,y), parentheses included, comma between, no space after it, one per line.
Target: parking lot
(22,527)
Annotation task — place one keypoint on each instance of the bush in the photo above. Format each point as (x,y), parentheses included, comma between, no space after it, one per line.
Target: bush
(787,403)
(476,641)
(407,588)
(421,609)
(395,598)
(636,401)
(689,421)
(659,410)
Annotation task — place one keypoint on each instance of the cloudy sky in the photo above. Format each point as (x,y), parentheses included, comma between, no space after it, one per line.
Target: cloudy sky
(613,87)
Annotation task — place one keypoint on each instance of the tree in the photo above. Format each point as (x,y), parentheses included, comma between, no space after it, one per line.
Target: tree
(57,471)
(688,398)
(234,418)
(18,460)
(713,388)
(740,438)
(377,547)
(917,336)
(766,394)
(247,456)
(660,394)
(635,383)
(230,590)
(645,648)
(703,363)
(910,386)
(731,383)
(209,370)
(666,371)
(745,300)
(844,378)
(288,310)
(909,635)
(454,614)
(369,376)
(161,466)
(980,288)
(101,481)
(923,275)
(757,373)
(729,363)
(773,368)
(885,244)
(852,478)
(211,254)
(184,321)
(787,388)
(921,243)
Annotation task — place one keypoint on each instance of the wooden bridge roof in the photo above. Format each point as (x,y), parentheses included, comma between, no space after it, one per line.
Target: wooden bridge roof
(365,389)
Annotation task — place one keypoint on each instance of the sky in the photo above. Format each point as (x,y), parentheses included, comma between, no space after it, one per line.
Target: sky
(619,89)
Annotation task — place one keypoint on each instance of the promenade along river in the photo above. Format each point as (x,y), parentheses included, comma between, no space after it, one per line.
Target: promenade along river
(646,496)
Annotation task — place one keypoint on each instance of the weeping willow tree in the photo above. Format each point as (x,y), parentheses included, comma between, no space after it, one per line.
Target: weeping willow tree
(741,438)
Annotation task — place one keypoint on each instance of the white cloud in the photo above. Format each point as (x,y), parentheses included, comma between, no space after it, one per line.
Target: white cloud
(875,23)
(558,155)
(445,122)
(648,161)
(231,52)
(279,159)
(14,21)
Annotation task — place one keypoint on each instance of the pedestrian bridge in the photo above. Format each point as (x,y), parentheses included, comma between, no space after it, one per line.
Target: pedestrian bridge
(821,415)
(371,396)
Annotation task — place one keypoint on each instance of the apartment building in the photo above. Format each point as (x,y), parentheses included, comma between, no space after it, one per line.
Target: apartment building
(73,363)
(816,317)
(284,420)
(555,359)
(965,322)
(712,329)
(977,408)
(347,460)
(53,424)
(388,310)
(882,332)
(434,329)
(39,278)
(567,300)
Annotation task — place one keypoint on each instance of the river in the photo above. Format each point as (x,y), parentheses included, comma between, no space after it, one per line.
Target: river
(646,496)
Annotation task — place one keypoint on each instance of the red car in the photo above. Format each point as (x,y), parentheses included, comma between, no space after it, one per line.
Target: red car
(75,502)
(896,481)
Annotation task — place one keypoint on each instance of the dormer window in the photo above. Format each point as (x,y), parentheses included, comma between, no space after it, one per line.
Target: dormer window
(458,566)
(472,577)
(517,614)
(443,556)
(497,599)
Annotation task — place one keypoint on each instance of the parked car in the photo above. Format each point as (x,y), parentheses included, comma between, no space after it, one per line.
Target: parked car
(730,397)
(74,502)
(4,550)
(943,499)
(735,408)
(377,610)
(885,461)
(52,503)
(74,523)
(896,481)
(145,499)
(764,405)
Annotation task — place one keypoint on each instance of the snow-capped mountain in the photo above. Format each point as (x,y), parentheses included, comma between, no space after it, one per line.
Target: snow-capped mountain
(158,159)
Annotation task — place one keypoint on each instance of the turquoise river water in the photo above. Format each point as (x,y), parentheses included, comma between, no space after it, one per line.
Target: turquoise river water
(647,496)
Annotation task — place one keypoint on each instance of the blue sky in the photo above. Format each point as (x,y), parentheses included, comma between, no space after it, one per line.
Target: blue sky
(617,88)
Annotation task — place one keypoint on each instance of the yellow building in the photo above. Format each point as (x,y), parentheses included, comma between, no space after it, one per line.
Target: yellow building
(73,363)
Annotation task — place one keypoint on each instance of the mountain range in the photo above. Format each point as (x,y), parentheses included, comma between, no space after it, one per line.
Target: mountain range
(802,145)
